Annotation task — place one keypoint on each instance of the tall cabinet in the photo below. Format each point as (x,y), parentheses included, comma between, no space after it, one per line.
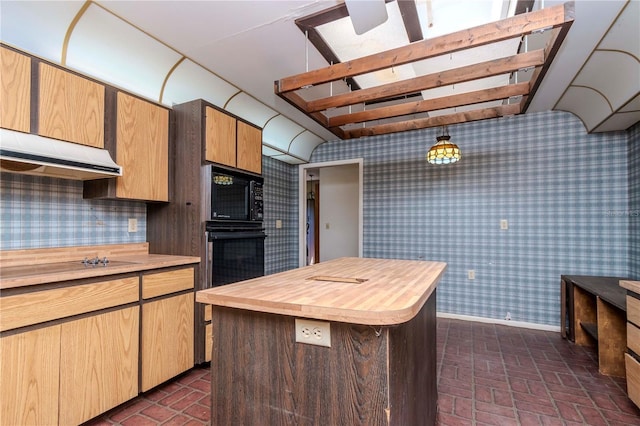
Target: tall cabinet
(204,135)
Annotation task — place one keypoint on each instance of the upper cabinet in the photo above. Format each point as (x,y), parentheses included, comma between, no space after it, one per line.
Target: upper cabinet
(70,108)
(220,141)
(249,148)
(142,149)
(232,142)
(140,142)
(15,90)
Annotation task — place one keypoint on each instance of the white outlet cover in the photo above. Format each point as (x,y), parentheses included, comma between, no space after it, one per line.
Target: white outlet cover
(313,332)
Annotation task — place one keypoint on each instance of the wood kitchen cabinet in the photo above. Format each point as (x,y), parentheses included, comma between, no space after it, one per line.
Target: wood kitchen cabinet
(29,365)
(220,138)
(76,368)
(632,355)
(249,148)
(141,146)
(98,364)
(71,107)
(15,90)
(232,142)
(167,326)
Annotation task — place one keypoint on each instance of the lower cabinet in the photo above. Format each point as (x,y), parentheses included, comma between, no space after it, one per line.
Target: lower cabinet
(98,364)
(71,372)
(29,386)
(208,333)
(70,353)
(167,344)
(167,339)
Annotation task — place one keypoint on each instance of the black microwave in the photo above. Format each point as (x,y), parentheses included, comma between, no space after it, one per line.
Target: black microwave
(235,196)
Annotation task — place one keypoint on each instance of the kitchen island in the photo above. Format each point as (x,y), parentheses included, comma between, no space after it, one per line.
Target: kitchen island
(380,368)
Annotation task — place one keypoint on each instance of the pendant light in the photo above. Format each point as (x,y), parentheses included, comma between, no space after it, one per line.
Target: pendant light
(444,151)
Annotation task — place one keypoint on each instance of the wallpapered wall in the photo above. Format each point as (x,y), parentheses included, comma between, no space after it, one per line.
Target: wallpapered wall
(563,192)
(38,212)
(634,201)
(281,203)
(570,199)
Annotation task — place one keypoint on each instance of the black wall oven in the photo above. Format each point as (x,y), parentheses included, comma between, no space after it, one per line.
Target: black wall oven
(235,252)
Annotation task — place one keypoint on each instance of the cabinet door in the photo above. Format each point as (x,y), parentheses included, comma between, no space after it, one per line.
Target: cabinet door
(142,149)
(71,107)
(29,379)
(220,137)
(167,339)
(98,364)
(249,148)
(15,90)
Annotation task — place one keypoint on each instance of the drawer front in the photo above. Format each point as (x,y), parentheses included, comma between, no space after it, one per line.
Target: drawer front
(162,283)
(633,310)
(207,312)
(633,379)
(633,338)
(41,306)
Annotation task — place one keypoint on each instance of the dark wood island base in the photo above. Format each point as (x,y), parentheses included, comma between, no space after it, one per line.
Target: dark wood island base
(371,375)
(379,367)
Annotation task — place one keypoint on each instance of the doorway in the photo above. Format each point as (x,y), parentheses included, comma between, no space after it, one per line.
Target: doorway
(330,210)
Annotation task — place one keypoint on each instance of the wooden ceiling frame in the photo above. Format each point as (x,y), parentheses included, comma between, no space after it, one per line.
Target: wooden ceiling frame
(557,18)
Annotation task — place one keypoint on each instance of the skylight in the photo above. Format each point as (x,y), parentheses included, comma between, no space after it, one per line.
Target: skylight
(436,18)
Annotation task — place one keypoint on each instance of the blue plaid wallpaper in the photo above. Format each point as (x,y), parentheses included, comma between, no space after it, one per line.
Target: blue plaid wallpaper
(281,203)
(634,201)
(563,192)
(37,212)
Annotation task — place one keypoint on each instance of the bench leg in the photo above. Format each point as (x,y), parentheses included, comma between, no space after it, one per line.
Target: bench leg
(612,340)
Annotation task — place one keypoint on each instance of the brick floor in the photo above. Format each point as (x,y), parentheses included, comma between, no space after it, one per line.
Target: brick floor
(487,375)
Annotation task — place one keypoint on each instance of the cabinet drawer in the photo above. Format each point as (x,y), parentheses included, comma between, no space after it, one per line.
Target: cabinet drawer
(162,283)
(41,306)
(633,379)
(633,310)
(633,338)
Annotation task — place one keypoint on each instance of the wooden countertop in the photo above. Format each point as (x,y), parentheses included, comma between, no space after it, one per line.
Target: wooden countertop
(21,268)
(633,286)
(352,290)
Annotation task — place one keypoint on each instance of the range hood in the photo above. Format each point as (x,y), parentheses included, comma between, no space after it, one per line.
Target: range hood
(31,154)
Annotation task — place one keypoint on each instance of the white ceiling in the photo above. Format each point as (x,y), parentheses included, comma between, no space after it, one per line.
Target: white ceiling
(231,52)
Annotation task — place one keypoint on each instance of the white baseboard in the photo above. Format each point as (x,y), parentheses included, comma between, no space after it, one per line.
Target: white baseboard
(510,323)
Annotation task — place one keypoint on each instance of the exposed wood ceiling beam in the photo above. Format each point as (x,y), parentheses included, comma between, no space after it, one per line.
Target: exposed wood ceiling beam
(416,107)
(430,81)
(493,32)
(558,18)
(441,120)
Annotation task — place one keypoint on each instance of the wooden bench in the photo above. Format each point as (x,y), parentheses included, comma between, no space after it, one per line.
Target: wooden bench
(594,313)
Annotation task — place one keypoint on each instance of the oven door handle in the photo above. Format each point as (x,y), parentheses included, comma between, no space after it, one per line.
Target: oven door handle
(235,235)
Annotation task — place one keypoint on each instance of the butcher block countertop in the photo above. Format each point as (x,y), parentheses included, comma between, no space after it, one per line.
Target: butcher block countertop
(353,290)
(21,268)
(631,285)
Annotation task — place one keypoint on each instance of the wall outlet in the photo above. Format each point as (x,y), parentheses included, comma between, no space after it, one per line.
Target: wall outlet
(278,223)
(471,274)
(504,224)
(133,225)
(313,332)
